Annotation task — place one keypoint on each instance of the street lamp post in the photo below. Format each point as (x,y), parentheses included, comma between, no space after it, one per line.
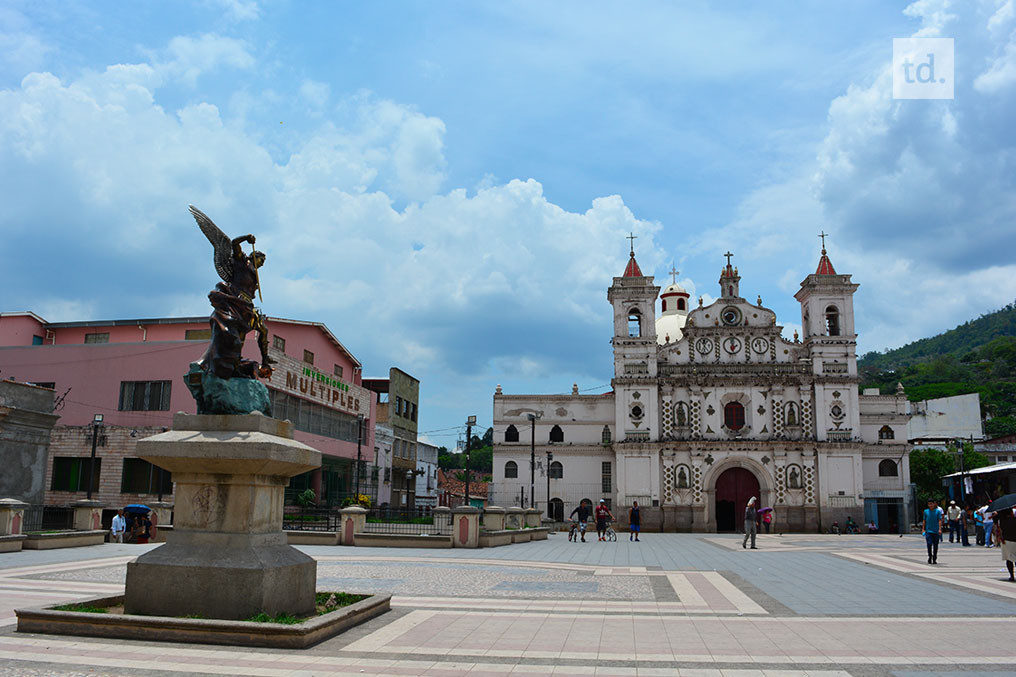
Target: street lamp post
(550,458)
(470,422)
(359,441)
(532,460)
(96,423)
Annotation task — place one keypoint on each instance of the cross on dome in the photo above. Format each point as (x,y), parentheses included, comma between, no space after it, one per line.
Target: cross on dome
(728,255)
(632,237)
(674,273)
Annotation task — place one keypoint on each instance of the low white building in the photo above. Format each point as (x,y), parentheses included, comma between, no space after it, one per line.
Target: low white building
(426,475)
(938,422)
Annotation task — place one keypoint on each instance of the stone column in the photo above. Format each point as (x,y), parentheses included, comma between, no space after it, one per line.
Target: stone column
(12,516)
(353,519)
(161,517)
(493,518)
(516,518)
(533,517)
(12,519)
(465,527)
(227,556)
(87,515)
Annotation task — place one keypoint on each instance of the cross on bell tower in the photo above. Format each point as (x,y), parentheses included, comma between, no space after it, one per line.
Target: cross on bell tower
(729,280)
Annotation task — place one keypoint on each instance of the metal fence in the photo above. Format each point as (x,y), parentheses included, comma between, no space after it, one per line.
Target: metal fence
(419,521)
(311,519)
(47,518)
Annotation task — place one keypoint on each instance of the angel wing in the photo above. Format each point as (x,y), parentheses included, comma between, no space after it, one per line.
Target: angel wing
(221,244)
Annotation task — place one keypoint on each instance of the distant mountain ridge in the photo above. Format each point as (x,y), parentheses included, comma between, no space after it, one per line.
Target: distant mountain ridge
(977,356)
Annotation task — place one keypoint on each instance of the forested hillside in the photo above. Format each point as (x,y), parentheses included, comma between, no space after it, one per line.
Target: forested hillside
(977,356)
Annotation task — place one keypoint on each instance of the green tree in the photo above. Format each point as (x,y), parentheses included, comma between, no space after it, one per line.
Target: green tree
(997,427)
(927,466)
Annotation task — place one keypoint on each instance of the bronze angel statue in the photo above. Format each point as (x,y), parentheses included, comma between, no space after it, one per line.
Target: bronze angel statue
(234,314)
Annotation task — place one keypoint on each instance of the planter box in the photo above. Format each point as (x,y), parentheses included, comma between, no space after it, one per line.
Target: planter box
(521,535)
(539,534)
(493,539)
(198,630)
(402,541)
(312,537)
(11,543)
(64,539)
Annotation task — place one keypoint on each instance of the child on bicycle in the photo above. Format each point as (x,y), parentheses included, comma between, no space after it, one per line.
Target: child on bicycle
(602,514)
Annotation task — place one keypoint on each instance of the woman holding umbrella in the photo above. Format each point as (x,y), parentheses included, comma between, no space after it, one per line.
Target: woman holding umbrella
(1005,530)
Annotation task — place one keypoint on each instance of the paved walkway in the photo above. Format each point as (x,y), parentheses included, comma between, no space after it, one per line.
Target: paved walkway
(674,604)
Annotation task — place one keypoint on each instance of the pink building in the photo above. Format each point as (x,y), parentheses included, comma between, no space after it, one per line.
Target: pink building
(131,372)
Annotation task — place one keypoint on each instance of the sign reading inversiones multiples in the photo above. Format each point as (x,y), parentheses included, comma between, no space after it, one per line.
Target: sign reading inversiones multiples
(299,379)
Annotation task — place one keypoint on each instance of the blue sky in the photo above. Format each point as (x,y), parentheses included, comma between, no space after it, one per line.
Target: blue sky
(448,185)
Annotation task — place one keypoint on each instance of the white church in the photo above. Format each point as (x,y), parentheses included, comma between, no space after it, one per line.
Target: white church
(712,405)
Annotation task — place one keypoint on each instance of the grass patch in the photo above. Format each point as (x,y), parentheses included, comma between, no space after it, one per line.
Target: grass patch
(84,608)
(326,602)
(282,619)
(393,520)
(198,616)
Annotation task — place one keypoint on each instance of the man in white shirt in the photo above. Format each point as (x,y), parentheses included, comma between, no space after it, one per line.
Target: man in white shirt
(953,513)
(118,527)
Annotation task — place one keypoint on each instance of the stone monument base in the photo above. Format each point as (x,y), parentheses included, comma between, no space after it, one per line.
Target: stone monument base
(227,556)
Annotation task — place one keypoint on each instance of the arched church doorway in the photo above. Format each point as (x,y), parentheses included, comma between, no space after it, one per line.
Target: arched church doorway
(734,487)
(556,509)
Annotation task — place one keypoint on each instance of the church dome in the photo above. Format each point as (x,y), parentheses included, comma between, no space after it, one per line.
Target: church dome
(670,323)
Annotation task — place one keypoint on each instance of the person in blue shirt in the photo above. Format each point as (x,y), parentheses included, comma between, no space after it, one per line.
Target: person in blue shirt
(933,519)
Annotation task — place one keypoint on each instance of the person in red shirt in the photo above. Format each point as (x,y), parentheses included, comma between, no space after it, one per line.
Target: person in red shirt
(602,514)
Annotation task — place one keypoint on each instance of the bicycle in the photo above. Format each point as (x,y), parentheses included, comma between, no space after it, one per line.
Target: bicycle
(610,534)
(577,529)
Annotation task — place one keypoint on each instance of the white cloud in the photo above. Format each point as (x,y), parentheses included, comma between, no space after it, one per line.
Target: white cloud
(186,58)
(239,10)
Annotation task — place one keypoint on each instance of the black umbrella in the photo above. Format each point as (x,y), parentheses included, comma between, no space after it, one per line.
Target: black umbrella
(1007,502)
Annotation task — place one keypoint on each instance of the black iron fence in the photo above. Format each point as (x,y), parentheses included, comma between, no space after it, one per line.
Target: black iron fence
(311,519)
(419,521)
(47,518)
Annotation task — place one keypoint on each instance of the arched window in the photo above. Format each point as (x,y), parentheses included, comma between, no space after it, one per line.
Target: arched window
(886,433)
(634,323)
(832,321)
(511,469)
(556,470)
(556,434)
(605,435)
(664,305)
(557,509)
(887,468)
(511,434)
(733,415)
(680,304)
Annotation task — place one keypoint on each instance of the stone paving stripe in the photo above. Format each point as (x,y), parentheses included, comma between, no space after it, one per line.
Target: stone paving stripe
(685,590)
(379,638)
(741,601)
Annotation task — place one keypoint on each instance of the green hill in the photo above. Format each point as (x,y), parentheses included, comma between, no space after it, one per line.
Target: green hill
(977,356)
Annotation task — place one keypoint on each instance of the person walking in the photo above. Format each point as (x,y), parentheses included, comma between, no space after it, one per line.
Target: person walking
(750,523)
(634,521)
(602,514)
(953,513)
(979,526)
(933,521)
(1005,530)
(989,524)
(767,519)
(582,512)
(965,526)
(118,527)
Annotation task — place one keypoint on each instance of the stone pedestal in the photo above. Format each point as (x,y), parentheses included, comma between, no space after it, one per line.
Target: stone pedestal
(161,516)
(465,527)
(227,556)
(12,516)
(515,518)
(353,520)
(493,518)
(533,517)
(87,515)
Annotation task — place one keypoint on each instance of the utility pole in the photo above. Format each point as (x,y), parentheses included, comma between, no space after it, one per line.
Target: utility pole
(532,460)
(359,441)
(963,482)
(470,422)
(550,457)
(96,422)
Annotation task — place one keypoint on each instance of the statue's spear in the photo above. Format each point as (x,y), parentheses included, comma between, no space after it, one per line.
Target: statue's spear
(257,277)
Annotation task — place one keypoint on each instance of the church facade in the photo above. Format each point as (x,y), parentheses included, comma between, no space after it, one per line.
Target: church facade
(712,405)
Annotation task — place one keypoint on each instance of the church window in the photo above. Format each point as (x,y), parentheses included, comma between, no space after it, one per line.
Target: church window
(680,304)
(556,434)
(887,468)
(556,470)
(606,481)
(634,323)
(511,434)
(605,435)
(733,415)
(664,305)
(832,320)
(886,433)
(511,470)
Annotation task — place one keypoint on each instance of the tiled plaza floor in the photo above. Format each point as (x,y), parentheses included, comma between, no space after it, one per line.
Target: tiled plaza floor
(674,604)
